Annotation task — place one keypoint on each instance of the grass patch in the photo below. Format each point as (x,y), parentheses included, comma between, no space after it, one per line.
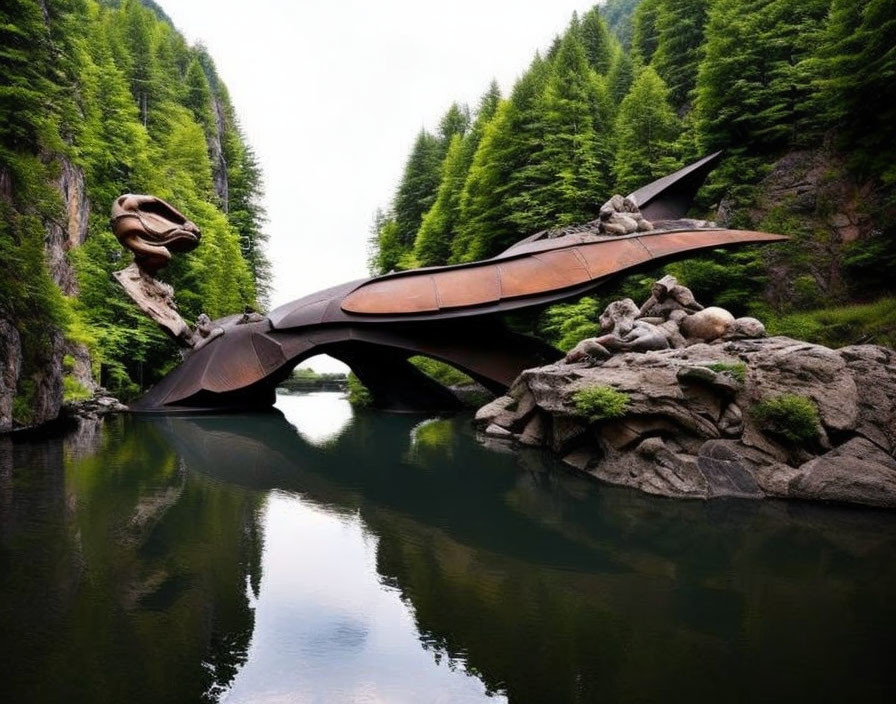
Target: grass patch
(844,325)
(794,418)
(736,370)
(443,373)
(601,402)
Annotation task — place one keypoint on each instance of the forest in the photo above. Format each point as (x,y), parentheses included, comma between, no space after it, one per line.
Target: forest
(100,98)
(798,94)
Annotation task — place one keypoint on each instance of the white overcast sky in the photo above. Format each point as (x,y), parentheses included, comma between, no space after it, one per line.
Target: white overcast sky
(332,94)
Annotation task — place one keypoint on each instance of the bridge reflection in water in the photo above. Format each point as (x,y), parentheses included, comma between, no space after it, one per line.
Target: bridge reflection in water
(231,555)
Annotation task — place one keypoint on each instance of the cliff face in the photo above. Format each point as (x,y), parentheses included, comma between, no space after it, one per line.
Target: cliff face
(45,379)
(692,426)
(828,210)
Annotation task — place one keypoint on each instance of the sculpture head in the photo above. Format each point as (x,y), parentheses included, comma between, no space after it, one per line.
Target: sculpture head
(152,229)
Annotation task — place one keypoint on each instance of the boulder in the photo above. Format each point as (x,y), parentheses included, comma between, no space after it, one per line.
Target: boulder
(688,430)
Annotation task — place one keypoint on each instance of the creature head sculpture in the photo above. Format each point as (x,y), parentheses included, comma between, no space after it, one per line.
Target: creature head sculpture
(152,229)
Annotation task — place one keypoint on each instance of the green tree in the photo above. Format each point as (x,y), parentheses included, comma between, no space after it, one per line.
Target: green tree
(597,40)
(854,71)
(456,121)
(434,241)
(748,92)
(645,30)
(566,177)
(417,188)
(509,140)
(680,33)
(646,132)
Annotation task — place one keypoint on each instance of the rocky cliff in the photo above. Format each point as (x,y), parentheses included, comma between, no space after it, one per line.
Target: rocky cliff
(45,378)
(696,422)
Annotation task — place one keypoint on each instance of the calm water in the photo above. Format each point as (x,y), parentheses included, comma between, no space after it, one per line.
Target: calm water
(316,555)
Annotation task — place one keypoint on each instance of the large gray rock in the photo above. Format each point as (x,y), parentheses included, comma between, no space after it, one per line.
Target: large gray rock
(688,430)
(857,472)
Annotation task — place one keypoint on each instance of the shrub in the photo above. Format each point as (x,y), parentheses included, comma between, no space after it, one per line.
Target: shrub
(74,390)
(601,402)
(736,370)
(794,418)
(358,394)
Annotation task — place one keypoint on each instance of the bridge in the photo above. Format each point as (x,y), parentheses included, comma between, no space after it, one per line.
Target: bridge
(451,314)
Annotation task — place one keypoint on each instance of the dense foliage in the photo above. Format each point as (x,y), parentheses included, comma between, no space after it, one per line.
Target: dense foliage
(110,91)
(636,88)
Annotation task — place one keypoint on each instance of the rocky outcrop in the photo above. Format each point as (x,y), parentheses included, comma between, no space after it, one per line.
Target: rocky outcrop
(38,383)
(689,428)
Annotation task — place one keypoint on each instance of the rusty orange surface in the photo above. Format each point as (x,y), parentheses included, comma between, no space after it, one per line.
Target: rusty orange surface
(530,274)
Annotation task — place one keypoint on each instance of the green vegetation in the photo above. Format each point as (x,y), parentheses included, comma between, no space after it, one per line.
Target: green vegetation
(443,373)
(358,394)
(736,370)
(791,417)
(600,403)
(304,379)
(74,390)
(873,323)
(111,91)
(635,88)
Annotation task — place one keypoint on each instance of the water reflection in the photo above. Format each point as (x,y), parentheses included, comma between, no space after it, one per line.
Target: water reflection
(406,562)
(123,575)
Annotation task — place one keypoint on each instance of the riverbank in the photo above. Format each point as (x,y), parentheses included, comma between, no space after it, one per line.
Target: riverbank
(772,417)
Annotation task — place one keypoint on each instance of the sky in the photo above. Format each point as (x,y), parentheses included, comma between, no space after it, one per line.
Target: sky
(331,95)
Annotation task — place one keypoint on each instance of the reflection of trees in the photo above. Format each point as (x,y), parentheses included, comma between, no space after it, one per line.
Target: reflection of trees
(552,589)
(135,587)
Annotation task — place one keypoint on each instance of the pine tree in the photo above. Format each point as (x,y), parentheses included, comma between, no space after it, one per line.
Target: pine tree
(435,238)
(433,243)
(646,130)
(598,43)
(854,71)
(198,97)
(509,140)
(645,30)
(680,34)
(566,177)
(417,189)
(621,76)
(456,121)
(746,93)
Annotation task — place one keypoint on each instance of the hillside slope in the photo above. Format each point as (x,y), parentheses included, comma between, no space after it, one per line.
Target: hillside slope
(99,99)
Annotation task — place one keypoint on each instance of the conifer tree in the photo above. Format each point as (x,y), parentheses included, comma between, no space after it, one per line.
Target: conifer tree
(417,189)
(855,70)
(566,177)
(746,89)
(680,34)
(435,238)
(456,121)
(497,173)
(621,76)
(198,97)
(646,131)
(645,30)
(597,41)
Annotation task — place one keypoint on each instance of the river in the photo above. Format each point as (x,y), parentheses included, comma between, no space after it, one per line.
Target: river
(321,554)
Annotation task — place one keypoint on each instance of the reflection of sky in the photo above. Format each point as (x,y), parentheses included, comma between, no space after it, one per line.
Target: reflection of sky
(319,417)
(326,630)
